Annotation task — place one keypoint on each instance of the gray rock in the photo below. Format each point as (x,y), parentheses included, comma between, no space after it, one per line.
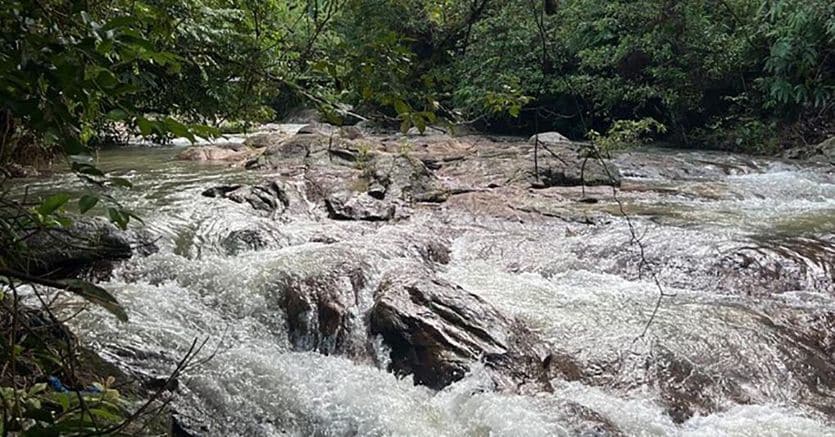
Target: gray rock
(549,138)
(348,205)
(267,196)
(305,148)
(264,140)
(243,240)
(437,331)
(403,177)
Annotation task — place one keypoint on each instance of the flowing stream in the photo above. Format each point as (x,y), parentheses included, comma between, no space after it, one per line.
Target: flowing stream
(747,330)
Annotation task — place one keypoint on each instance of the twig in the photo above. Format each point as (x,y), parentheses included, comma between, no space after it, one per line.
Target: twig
(634,239)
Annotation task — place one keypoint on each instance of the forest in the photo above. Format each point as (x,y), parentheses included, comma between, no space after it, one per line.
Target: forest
(424,105)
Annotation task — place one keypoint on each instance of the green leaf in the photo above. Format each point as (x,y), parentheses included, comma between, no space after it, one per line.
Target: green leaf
(118,218)
(145,126)
(106,79)
(401,107)
(124,21)
(98,296)
(87,202)
(178,129)
(52,203)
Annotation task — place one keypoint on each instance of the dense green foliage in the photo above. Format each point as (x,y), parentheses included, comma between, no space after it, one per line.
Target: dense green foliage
(725,71)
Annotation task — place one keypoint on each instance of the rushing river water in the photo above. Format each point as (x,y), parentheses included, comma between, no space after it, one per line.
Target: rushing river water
(750,342)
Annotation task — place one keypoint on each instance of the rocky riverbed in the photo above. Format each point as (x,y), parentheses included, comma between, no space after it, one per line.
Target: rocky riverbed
(386,284)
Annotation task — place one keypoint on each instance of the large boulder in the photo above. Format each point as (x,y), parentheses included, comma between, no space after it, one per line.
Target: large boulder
(322,309)
(437,331)
(87,246)
(267,196)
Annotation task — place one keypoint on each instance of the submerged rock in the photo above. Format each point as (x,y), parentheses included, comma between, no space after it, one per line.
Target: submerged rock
(243,240)
(437,331)
(267,196)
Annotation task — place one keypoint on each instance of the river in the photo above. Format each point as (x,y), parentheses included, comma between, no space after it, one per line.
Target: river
(743,342)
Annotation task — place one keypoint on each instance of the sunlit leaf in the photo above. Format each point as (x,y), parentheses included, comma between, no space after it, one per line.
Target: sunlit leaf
(52,203)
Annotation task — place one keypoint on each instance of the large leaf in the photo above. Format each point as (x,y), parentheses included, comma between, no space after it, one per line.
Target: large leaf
(52,203)
(87,202)
(98,296)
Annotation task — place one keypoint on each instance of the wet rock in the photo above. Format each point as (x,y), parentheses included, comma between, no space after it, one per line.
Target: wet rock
(774,265)
(265,139)
(404,178)
(88,245)
(429,131)
(678,165)
(688,390)
(351,132)
(570,164)
(268,196)
(349,205)
(322,309)
(243,240)
(322,181)
(309,146)
(587,422)
(437,331)
(293,150)
(318,129)
(376,190)
(435,251)
(226,152)
(823,152)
